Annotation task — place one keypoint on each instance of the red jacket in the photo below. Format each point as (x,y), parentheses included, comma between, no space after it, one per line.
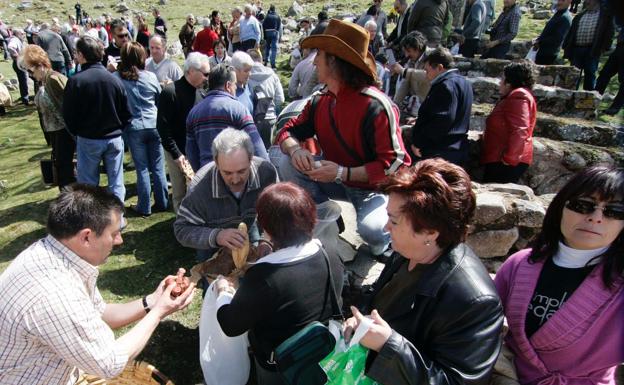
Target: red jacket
(367,121)
(204,41)
(508,135)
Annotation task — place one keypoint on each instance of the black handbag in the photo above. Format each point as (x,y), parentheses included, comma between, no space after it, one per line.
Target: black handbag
(298,357)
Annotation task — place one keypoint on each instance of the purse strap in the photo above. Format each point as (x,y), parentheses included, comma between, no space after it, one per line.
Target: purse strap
(343,143)
(336,310)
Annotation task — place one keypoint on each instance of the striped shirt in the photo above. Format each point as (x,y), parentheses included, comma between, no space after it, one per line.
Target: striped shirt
(51,319)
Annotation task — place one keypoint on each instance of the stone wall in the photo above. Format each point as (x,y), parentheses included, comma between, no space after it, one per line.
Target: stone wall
(563,76)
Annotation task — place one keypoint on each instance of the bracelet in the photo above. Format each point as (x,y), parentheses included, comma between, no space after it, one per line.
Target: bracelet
(348,173)
(145,305)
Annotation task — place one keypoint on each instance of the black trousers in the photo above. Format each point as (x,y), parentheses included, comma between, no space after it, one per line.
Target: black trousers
(63,148)
(469,48)
(248,44)
(22,79)
(545,59)
(614,65)
(501,173)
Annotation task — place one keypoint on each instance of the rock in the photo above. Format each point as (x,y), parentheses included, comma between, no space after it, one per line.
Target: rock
(290,25)
(524,10)
(162,2)
(98,6)
(542,14)
(574,162)
(14,81)
(490,207)
(493,243)
(518,190)
(122,7)
(295,10)
(530,213)
(175,49)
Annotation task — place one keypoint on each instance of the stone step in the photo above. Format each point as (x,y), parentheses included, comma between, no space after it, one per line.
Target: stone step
(588,131)
(553,100)
(564,76)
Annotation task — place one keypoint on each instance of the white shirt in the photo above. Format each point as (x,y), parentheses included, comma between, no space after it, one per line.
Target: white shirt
(51,319)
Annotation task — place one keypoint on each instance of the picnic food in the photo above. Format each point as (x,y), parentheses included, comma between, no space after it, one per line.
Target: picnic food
(240,255)
(182,283)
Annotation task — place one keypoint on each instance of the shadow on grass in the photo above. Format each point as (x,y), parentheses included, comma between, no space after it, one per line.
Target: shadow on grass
(42,155)
(19,244)
(20,111)
(174,350)
(162,255)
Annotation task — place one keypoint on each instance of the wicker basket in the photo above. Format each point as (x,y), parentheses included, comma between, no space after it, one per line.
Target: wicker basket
(135,373)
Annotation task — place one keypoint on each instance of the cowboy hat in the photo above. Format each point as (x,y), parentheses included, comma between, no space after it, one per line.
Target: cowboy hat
(345,40)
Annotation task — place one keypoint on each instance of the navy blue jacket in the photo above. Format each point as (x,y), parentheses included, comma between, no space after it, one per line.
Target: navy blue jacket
(554,32)
(272,22)
(95,104)
(441,129)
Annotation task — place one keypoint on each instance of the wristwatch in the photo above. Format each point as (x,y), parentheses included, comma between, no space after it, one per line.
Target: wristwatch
(339,175)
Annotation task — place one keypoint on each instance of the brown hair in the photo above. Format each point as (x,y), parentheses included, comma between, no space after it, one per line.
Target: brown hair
(438,196)
(35,56)
(350,75)
(132,60)
(288,213)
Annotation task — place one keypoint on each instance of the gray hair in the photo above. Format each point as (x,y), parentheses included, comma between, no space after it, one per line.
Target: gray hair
(237,9)
(248,7)
(230,140)
(370,23)
(195,60)
(156,36)
(206,22)
(241,59)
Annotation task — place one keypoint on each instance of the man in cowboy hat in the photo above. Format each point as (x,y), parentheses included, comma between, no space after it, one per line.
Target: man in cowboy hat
(357,129)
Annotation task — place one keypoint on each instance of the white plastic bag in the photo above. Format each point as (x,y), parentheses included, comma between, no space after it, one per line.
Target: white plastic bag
(455,49)
(531,55)
(224,360)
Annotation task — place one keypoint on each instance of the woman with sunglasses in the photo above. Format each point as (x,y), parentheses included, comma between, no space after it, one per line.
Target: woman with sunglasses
(49,102)
(564,297)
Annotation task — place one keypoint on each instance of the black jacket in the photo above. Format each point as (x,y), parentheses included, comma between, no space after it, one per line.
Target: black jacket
(95,104)
(174,104)
(446,331)
(602,38)
(441,129)
(394,39)
(554,32)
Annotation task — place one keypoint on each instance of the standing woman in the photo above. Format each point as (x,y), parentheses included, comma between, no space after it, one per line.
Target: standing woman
(218,26)
(143,35)
(564,297)
(49,102)
(508,137)
(234,29)
(220,54)
(143,91)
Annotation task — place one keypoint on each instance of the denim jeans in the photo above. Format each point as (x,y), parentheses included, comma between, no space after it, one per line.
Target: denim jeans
(270,46)
(582,59)
(22,80)
(370,206)
(148,156)
(90,152)
(497,52)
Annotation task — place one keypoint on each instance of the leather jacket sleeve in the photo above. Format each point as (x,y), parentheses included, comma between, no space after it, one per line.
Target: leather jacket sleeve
(463,350)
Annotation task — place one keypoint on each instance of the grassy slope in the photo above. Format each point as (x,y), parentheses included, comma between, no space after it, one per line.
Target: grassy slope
(149,250)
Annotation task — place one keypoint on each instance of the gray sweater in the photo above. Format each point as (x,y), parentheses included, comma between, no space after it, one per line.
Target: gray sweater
(53,44)
(475,20)
(209,206)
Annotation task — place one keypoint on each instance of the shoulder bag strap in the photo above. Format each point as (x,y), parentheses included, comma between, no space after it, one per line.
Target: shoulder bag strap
(344,144)
(337,311)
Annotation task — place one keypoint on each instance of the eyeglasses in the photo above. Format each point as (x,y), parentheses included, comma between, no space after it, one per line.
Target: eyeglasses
(585,207)
(123,35)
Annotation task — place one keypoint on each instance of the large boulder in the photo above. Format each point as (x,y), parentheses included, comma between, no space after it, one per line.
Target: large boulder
(493,243)
(295,10)
(542,14)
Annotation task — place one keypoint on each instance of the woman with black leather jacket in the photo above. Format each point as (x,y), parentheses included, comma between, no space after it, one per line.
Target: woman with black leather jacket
(437,316)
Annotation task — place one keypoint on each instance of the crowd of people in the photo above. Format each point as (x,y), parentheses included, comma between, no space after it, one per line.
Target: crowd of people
(234,155)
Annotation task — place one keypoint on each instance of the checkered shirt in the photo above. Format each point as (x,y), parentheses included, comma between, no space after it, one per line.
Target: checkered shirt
(506,26)
(51,319)
(587,28)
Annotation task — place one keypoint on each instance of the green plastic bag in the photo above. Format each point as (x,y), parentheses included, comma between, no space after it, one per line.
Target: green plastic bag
(346,367)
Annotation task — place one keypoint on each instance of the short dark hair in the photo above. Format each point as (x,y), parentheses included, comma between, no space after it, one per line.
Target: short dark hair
(438,196)
(117,23)
(220,75)
(351,75)
(414,40)
(287,212)
(519,74)
(372,10)
(605,182)
(90,49)
(81,206)
(132,60)
(322,16)
(441,56)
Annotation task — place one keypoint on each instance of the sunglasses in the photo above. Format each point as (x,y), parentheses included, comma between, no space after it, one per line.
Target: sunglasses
(123,36)
(585,207)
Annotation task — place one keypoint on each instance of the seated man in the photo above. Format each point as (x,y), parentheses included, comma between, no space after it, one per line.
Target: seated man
(441,129)
(223,194)
(414,85)
(357,128)
(219,110)
(54,321)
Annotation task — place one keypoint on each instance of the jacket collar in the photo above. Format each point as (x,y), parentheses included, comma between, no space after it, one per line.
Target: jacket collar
(444,75)
(291,254)
(220,189)
(86,66)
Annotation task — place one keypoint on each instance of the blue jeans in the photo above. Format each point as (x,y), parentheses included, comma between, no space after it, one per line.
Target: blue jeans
(148,157)
(370,206)
(270,46)
(90,152)
(582,59)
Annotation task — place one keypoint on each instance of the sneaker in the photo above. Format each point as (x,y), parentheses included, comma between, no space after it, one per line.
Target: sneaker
(133,209)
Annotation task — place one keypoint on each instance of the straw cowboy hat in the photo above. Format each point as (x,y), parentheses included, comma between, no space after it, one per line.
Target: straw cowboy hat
(345,40)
